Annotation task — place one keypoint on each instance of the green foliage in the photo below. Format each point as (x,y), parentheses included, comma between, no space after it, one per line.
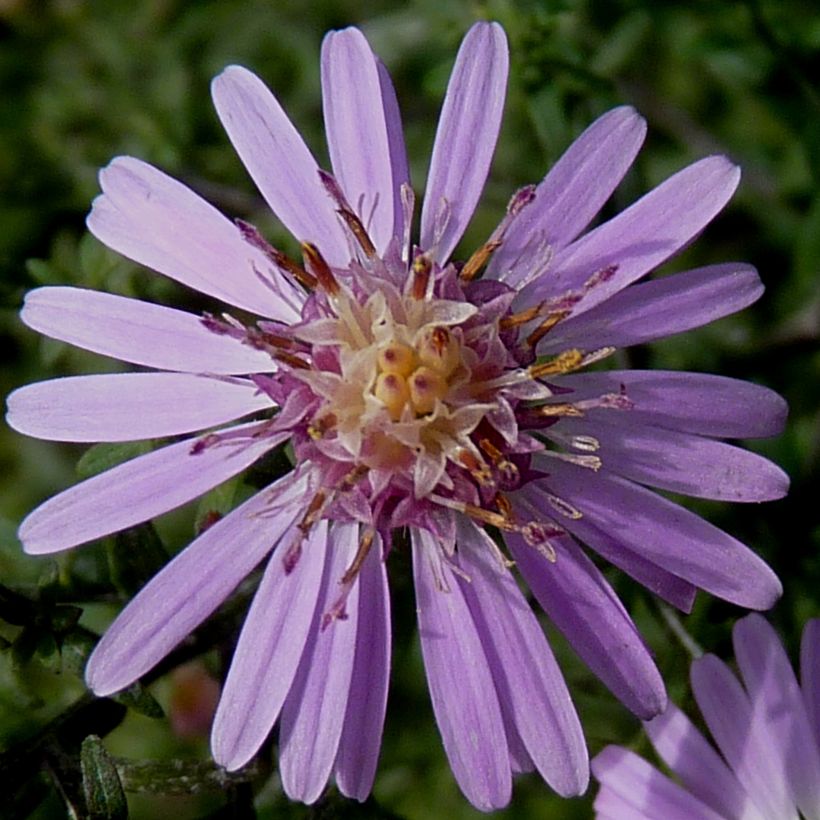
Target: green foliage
(85,81)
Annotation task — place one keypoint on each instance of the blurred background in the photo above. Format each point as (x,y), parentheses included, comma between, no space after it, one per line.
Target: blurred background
(85,81)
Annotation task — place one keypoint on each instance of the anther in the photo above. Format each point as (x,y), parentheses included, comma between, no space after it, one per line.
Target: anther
(315,262)
(252,236)
(546,326)
(439,349)
(565,362)
(420,269)
(478,259)
(477,468)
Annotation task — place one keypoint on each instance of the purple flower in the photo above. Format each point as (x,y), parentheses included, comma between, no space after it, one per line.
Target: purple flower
(416,396)
(767,730)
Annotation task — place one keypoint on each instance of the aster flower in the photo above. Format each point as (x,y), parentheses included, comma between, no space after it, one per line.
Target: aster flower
(765,726)
(417,397)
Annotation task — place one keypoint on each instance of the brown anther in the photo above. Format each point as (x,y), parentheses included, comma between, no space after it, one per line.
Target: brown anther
(359,231)
(304,278)
(355,475)
(490,449)
(440,338)
(291,360)
(558,410)
(565,362)
(365,543)
(546,326)
(319,427)
(503,505)
(520,318)
(312,513)
(479,258)
(421,269)
(315,263)
(477,468)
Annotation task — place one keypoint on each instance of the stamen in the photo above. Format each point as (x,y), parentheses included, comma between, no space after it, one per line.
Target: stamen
(420,270)
(546,326)
(507,470)
(291,360)
(338,611)
(251,235)
(318,428)
(557,410)
(358,230)
(478,259)
(565,362)
(564,507)
(315,262)
(477,468)
(520,318)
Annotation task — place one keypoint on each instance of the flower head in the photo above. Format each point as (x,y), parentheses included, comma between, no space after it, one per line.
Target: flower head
(418,394)
(765,726)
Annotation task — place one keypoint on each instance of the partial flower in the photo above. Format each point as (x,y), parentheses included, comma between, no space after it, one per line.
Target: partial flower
(418,397)
(766,728)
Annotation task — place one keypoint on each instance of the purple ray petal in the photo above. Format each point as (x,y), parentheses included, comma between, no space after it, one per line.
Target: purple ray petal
(465,140)
(366,706)
(273,640)
(701,769)
(314,710)
(641,791)
(779,708)
(810,674)
(580,602)
(278,160)
(741,739)
(159,222)
(666,534)
(644,235)
(525,673)
(461,687)
(136,491)
(571,194)
(364,133)
(129,406)
(695,403)
(679,462)
(190,588)
(666,585)
(659,308)
(137,332)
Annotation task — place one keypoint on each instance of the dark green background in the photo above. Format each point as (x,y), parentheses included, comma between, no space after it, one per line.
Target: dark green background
(84,81)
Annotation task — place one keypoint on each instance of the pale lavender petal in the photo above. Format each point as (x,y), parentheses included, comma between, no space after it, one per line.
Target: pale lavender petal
(136,491)
(137,332)
(525,673)
(159,222)
(584,607)
(314,710)
(779,709)
(272,642)
(366,706)
(679,462)
(278,160)
(659,308)
(461,687)
(741,739)
(641,791)
(810,674)
(666,534)
(130,406)
(666,585)
(364,133)
(644,235)
(570,195)
(696,403)
(190,588)
(701,769)
(465,140)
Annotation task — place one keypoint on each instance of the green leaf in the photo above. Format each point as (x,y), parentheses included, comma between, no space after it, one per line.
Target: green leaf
(138,698)
(134,556)
(104,796)
(102,457)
